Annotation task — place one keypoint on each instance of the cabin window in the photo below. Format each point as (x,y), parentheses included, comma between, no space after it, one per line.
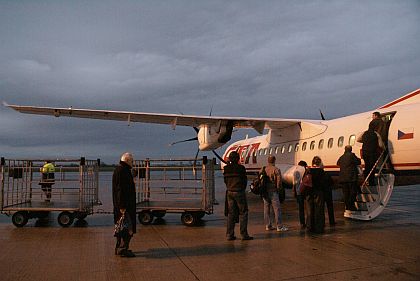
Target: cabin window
(352,140)
(330,142)
(312,146)
(290,148)
(265,151)
(283,148)
(261,151)
(297,147)
(271,151)
(277,150)
(340,141)
(321,144)
(304,146)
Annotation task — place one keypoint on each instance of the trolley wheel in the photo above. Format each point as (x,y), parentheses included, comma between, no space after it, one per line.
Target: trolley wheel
(145,217)
(65,219)
(200,215)
(20,218)
(159,214)
(81,215)
(189,219)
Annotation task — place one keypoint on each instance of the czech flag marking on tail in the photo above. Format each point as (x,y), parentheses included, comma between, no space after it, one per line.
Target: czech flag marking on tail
(406,134)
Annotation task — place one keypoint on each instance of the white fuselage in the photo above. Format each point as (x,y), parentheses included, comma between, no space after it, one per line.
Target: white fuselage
(295,143)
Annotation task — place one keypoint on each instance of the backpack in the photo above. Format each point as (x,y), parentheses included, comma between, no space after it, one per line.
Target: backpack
(259,185)
(306,184)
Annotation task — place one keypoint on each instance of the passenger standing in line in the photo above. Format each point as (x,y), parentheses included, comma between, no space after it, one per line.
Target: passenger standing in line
(328,199)
(236,182)
(315,215)
(300,198)
(271,196)
(124,200)
(348,176)
(48,179)
(370,151)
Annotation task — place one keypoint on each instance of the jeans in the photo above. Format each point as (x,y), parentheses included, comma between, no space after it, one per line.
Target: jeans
(237,205)
(272,200)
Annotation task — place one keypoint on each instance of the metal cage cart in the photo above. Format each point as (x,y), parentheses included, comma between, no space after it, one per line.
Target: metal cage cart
(26,194)
(183,186)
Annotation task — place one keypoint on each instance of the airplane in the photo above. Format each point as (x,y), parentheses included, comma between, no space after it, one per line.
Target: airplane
(292,140)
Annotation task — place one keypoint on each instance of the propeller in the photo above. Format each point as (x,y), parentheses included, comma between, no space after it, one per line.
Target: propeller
(322,115)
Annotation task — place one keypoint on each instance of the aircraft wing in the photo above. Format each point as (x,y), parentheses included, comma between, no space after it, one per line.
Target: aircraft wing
(259,124)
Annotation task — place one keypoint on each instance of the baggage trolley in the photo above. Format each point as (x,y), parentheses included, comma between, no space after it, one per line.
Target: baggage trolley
(26,194)
(183,186)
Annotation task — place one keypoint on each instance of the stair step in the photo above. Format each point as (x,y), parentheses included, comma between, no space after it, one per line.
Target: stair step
(369,189)
(361,206)
(366,197)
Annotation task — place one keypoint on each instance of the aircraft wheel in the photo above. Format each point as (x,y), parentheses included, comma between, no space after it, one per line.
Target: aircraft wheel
(65,219)
(188,219)
(145,217)
(20,218)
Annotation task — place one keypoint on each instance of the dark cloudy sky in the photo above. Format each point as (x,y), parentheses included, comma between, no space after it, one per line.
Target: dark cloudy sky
(241,58)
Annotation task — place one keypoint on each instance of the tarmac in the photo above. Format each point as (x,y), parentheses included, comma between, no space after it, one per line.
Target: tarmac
(386,248)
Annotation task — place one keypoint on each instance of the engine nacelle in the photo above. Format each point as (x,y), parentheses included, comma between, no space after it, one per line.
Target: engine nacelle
(213,137)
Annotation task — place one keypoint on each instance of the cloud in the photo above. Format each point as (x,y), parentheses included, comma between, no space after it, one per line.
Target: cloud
(241,58)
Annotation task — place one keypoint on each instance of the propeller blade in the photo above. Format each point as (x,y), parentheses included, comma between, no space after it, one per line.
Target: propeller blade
(191,139)
(219,157)
(322,115)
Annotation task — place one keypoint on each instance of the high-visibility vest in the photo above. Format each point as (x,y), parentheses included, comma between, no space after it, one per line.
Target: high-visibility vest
(48,168)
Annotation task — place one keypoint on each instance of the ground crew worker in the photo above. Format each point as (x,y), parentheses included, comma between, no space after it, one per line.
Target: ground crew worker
(47,179)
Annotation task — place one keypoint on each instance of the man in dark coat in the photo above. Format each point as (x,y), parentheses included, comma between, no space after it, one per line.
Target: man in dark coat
(370,149)
(236,181)
(124,200)
(348,176)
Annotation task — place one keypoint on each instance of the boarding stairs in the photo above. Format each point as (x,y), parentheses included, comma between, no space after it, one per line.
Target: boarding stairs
(373,199)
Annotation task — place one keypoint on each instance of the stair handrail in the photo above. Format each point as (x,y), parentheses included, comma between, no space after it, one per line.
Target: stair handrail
(364,184)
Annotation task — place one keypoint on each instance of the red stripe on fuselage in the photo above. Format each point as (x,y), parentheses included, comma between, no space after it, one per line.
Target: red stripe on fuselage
(401,99)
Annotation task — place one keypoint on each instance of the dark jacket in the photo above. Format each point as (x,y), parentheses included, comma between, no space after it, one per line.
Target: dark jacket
(370,143)
(348,163)
(235,177)
(320,181)
(124,192)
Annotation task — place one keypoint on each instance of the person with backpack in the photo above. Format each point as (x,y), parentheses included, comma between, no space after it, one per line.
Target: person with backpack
(271,195)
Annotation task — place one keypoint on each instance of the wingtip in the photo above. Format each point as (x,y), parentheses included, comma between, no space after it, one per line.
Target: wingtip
(5,104)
